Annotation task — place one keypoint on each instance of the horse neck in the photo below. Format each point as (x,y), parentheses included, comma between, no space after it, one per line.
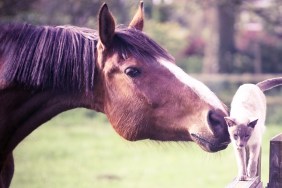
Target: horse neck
(23,110)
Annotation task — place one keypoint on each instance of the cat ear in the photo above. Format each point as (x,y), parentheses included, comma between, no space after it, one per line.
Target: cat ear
(253,123)
(230,121)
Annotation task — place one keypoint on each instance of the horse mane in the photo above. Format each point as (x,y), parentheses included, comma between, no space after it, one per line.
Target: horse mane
(64,57)
(48,57)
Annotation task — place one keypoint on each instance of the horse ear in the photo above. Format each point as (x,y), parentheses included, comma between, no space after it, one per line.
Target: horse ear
(106,26)
(138,20)
(230,121)
(253,123)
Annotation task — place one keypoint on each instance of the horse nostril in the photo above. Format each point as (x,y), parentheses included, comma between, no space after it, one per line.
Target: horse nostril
(218,126)
(217,123)
(214,118)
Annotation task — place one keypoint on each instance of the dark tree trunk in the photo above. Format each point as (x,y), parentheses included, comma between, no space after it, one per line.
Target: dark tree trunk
(211,51)
(227,13)
(220,45)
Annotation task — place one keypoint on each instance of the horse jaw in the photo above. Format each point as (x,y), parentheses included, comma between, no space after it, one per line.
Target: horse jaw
(209,145)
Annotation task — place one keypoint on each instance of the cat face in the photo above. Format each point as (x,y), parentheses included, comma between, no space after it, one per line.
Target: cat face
(240,133)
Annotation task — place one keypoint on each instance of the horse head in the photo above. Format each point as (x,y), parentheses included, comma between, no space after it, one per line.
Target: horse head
(145,95)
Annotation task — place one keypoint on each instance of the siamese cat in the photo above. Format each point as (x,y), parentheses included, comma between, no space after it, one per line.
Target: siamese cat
(246,124)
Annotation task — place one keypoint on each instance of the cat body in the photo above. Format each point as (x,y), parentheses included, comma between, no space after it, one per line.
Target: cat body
(246,124)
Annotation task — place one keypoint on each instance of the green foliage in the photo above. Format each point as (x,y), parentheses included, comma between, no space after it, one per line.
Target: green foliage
(191,64)
(162,13)
(66,153)
(274,112)
(243,64)
(271,58)
(169,35)
(14,7)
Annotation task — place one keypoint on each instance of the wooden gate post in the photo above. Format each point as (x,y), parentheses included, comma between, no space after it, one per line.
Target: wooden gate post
(275,162)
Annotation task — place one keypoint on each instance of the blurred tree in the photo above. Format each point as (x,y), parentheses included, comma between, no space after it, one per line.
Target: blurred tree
(67,11)
(236,36)
(259,37)
(162,12)
(82,12)
(9,8)
(228,12)
(74,12)
(211,48)
(220,45)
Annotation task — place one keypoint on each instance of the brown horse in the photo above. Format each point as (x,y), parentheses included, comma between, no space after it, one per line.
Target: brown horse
(117,71)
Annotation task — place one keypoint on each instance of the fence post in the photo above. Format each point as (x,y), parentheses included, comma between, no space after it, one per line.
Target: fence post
(275,162)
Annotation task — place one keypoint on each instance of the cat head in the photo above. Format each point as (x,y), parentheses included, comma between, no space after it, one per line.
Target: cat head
(240,133)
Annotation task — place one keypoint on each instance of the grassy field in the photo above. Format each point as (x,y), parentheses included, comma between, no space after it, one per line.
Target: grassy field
(79,149)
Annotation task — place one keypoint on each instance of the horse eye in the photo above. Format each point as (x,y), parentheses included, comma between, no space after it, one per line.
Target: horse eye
(235,136)
(132,72)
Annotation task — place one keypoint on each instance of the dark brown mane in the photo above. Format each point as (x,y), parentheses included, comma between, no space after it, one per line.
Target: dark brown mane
(63,57)
(48,57)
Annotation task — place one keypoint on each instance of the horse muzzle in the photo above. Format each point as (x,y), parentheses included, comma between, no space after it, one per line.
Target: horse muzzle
(209,145)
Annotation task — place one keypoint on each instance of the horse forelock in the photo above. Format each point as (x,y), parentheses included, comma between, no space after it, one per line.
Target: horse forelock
(48,57)
(132,42)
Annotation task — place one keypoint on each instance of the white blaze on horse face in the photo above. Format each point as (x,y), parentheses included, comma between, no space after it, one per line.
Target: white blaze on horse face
(198,87)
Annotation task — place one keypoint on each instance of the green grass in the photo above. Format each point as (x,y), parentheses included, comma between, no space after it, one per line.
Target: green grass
(80,149)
